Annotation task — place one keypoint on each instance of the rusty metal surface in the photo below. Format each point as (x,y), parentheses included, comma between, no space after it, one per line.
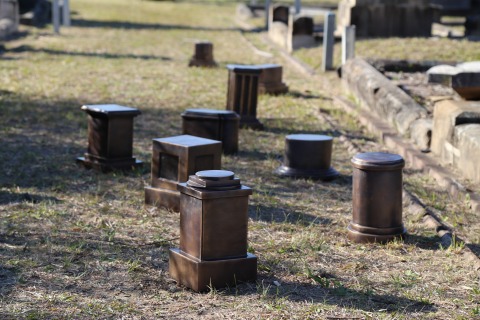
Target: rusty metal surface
(308,156)
(221,125)
(110,138)
(377,197)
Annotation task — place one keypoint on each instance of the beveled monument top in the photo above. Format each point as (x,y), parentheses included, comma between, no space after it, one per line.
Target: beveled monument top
(111,109)
(186,140)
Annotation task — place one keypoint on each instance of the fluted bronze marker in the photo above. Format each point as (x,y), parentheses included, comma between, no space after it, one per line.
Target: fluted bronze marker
(110,137)
(173,160)
(213,232)
(377,197)
(242,95)
(221,125)
(308,156)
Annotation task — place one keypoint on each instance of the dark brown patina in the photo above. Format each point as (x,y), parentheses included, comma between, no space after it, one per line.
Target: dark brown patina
(308,156)
(377,197)
(242,95)
(173,160)
(110,138)
(221,125)
(213,232)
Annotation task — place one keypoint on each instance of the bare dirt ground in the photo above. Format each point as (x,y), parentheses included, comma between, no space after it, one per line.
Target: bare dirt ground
(76,244)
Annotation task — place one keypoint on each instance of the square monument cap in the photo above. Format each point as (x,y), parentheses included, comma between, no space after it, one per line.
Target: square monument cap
(211,113)
(243,68)
(111,109)
(269,65)
(187,140)
(381,161)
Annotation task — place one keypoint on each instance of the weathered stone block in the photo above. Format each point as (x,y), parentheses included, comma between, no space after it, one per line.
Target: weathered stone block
(421,133)
(9,17)
(381,95)
(467,140)
(446,116)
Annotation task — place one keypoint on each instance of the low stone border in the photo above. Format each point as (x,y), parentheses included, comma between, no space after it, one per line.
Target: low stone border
(416,158)
(378,93)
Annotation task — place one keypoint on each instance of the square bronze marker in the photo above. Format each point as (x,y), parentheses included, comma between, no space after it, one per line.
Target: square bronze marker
(110,137)
(221,125)
(213,233)
(308,156)
(174,159)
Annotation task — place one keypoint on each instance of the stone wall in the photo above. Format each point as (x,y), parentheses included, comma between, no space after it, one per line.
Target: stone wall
(456,135)
(380,95)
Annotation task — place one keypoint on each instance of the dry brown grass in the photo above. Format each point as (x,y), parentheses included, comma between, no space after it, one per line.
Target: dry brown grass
(79,244)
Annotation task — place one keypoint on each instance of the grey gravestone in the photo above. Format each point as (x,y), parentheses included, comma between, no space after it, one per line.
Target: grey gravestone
(9,17)
(328,41)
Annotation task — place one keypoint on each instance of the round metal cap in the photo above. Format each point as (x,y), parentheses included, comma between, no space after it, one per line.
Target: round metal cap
(308,137)
(378,161)
(215,175)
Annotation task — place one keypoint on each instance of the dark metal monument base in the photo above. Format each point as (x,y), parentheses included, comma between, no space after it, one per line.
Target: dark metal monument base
(325,175)
(361,234)
(248,123)
(109,165)
(163,198)
(274,89)
(203,275)
(202,63)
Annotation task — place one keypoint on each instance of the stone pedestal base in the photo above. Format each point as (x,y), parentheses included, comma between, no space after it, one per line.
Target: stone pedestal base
(361,234)
(202,275)
(325,175)
(163,198)
(109,165)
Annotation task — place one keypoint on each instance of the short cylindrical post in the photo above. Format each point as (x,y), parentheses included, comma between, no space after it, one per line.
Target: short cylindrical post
(328,41)
(377,197)
(56,16)
(348,43)
(308,156)
(66,13)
